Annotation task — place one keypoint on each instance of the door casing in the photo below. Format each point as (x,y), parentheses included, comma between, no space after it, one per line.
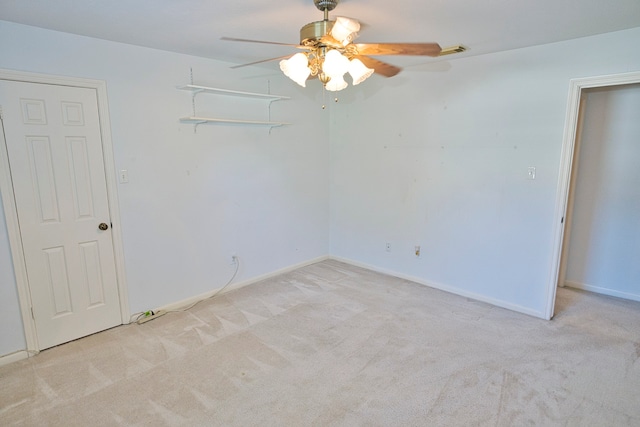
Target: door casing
(571,134)
(13,229)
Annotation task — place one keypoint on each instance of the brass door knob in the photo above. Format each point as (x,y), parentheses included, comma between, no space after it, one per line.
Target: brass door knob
(103,226)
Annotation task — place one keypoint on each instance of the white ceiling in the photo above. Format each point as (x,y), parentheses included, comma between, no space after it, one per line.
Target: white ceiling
(194,27)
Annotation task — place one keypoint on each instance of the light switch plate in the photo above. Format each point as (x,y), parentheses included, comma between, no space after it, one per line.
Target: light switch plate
(124,176)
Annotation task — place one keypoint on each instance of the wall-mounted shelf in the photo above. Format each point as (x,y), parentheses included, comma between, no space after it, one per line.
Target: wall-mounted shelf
(195,89)
(201,120)
(195,120)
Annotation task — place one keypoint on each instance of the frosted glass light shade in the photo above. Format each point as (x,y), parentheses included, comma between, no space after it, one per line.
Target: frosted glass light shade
(296,68)
(336,83)
(359,72)
(335,65)
(345,30)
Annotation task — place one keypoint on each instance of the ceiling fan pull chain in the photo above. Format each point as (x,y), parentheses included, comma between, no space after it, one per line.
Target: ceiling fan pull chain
(324,92)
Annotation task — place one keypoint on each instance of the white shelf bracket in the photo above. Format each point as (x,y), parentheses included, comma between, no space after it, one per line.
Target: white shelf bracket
(196,124)
(269,111)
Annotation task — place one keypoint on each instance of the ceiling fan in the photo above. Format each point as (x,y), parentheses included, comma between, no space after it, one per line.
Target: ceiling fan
(328,52)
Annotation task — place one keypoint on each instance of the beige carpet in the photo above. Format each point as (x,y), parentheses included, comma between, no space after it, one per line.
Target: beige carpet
(335,345)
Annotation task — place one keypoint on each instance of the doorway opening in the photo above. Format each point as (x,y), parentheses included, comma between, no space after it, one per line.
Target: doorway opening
(579,88)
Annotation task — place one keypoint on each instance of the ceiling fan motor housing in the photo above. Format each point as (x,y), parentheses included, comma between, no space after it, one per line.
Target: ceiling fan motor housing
(311,33)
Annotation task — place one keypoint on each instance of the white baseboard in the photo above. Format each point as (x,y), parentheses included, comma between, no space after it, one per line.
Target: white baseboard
(187,302)
(450,289)
(13,357)
(603,291)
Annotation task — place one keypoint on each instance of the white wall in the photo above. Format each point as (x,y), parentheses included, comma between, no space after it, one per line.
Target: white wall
(439,159)
(193,198)
(604,248)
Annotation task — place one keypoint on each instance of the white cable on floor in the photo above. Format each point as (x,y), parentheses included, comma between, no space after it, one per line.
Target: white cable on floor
(179,310)
(211,296)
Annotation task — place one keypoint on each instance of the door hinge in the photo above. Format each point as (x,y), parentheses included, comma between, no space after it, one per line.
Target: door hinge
(32,316)
(562,220)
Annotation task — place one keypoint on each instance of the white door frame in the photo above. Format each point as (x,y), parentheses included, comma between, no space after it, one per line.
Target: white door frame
(6,188)
(571,131)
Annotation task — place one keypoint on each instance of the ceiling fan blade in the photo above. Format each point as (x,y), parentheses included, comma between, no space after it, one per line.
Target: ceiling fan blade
(233,39)
(421,49)
(261,61)
(382,68)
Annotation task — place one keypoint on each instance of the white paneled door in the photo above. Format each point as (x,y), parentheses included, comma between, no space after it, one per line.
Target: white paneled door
(55,155)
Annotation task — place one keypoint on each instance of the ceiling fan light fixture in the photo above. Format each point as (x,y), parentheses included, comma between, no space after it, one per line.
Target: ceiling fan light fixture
(330,52)
(335,84)
(345,30)
(296,68)
(335,65)
(359,72)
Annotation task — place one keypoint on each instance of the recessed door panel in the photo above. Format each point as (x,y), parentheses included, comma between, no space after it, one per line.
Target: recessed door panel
(43,179)
(58,278)
(33,111)
(92,277)
(72,113)
(80,177)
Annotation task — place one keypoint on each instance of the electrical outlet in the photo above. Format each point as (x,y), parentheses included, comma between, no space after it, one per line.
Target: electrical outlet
(531,172)
(388,247)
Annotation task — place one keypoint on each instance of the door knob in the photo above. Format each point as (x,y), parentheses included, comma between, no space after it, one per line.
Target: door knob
(103,226)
